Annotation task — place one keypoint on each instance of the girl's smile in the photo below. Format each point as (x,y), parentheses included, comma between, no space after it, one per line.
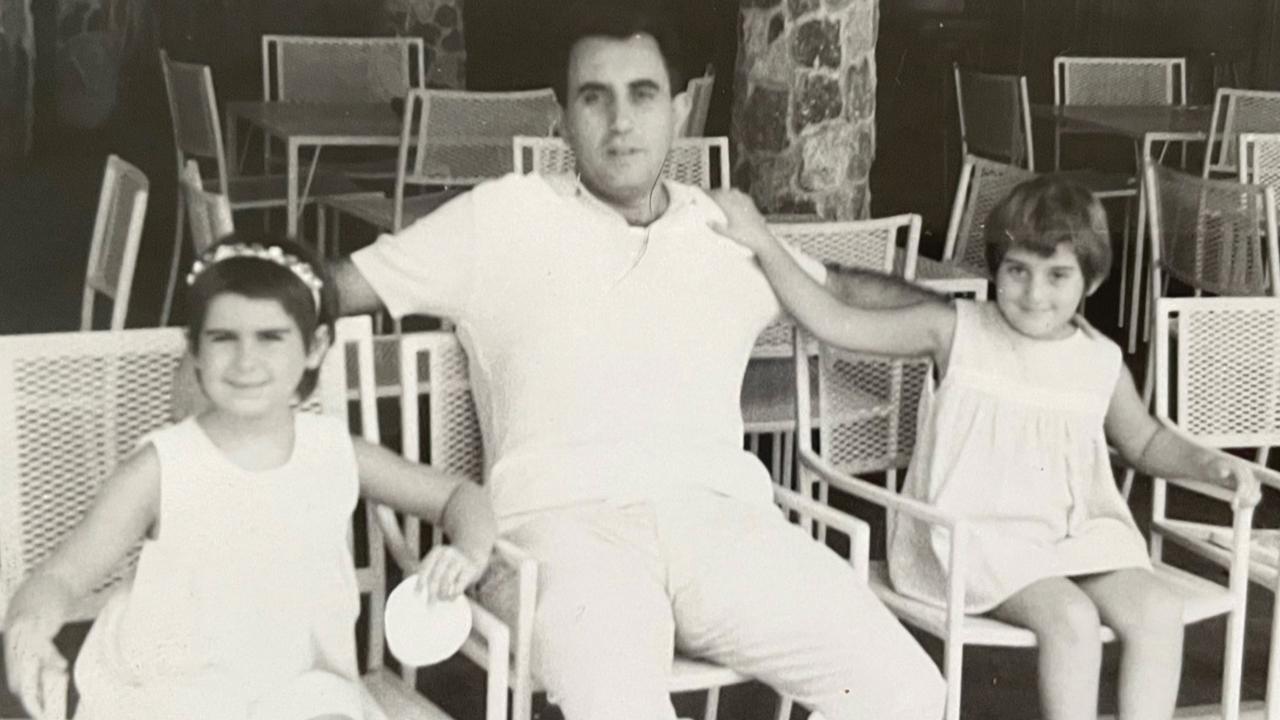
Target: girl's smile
(1039,296)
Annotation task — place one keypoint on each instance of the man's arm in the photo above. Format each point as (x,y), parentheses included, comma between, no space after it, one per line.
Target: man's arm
(355,295)
(870,289)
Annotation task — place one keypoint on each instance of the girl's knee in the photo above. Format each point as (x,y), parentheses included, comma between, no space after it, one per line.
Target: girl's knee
(1074,622)
(1153,611)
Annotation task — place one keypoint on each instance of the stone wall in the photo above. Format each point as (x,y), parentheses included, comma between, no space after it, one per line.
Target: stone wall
(804,105)
(439,24)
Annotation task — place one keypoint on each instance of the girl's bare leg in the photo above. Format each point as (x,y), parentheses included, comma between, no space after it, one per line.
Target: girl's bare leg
(1147,616)
(1066,625)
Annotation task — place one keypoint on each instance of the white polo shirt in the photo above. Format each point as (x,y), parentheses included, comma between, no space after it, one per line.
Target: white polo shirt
(607,359)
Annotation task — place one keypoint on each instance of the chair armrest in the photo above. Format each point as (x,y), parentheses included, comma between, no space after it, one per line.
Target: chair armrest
(872,493)
(1237,497)
(810,511)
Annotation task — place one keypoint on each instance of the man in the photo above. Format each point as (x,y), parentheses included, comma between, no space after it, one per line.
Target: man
(608,327)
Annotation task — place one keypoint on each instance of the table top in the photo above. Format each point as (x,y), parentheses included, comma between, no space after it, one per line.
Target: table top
(1190,122)
(317,123)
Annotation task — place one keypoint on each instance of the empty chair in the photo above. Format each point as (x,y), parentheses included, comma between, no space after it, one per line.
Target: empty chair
(699,90)
(451,139)
(197,134)
(1116,81)
(315,69)
(983,183)
(1236,112)
(701,161)
(995,117)
(117,233)
(209,213)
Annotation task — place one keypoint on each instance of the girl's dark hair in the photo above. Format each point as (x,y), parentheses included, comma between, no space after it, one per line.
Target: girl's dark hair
(619,19)
(1044,212)
(263,279)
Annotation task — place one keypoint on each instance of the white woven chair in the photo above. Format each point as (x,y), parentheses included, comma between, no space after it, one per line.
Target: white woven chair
(455,444)
(825,466)
(1208,385)
(983,183)
(117,233)
(701,161)
(1236,112)
(72,405)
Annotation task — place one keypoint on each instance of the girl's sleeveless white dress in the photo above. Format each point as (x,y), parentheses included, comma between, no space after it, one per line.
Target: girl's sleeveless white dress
(1013,441)
(244,605)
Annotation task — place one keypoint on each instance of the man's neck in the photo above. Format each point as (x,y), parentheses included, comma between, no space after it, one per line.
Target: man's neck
(640,211)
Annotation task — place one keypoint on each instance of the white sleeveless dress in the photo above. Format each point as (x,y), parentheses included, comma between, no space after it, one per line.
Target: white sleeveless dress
(1013,441)
(244,605)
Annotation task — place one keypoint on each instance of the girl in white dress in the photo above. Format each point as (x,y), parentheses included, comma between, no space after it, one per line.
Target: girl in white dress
(1015,440)
(245,599)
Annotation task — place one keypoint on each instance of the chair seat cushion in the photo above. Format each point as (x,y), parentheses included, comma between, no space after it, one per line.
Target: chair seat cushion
(1203,599)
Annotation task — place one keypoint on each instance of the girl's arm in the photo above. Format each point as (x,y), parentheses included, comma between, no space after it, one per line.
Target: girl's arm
(916,329)
(460,507)
(126,506)
(1153,449)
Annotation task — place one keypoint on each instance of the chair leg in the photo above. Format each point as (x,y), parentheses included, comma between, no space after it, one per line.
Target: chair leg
(1124,262)
(775,457)
(1273,663)
(713,704)
(179,220)
(953,657)
(784,708)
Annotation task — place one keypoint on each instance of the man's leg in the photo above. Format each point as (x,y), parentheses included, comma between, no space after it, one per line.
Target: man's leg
(603,631)
(755,593)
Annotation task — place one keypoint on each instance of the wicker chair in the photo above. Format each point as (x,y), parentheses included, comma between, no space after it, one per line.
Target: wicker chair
(983,183)
(1236,112)
(701,161)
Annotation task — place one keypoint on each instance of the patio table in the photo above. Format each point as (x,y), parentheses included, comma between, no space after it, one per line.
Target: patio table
(317,125)
(1146,125)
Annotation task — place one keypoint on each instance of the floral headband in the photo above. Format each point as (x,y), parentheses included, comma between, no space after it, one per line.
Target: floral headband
(300,268)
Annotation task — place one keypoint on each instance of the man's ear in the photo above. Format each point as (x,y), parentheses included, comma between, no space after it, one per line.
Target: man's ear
(681,104)
(319,346)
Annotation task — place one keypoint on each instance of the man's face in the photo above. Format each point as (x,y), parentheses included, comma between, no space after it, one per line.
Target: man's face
(620,117)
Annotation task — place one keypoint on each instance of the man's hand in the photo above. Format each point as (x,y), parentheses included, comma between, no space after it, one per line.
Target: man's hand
(447,572)
(745,225)
(33,665)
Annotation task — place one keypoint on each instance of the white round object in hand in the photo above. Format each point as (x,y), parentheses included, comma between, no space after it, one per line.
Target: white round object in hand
(422,632)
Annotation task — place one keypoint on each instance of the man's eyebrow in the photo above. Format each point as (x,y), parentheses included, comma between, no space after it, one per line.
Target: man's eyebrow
(644,84)
(591,86)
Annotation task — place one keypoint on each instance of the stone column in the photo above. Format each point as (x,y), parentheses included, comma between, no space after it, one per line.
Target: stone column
(439,24)
(804,105)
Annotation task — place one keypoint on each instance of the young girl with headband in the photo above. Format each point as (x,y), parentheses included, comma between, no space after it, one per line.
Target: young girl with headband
(1015,440)
(245,597)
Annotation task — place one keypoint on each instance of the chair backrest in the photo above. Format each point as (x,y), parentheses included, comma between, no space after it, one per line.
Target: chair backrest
(1236,112)
(890,245)
(193,109)
(1119,81)
(701,161)
(1217,369)
(699,90)
(983,183)
(208,213)
(307,68)
(117,233)
(850,437)
(995,116)
(1217,236)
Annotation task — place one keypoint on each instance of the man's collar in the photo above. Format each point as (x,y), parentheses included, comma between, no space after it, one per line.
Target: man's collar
(570,186)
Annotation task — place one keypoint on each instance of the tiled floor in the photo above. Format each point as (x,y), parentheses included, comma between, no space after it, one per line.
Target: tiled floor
(45,216)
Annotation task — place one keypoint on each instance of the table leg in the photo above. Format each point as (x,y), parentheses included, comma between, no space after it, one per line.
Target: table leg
(291,182)
(233,167)
(1135,298)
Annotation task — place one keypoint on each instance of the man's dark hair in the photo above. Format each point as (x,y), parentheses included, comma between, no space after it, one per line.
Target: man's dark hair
(619,19)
